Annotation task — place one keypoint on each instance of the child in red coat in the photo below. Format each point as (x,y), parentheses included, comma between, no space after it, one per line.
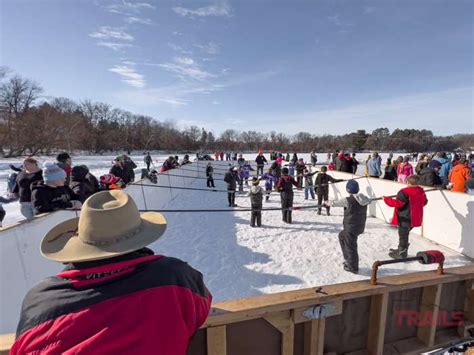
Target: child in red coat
(408,213)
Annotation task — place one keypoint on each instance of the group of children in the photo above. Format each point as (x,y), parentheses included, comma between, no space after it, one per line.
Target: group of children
(408,205)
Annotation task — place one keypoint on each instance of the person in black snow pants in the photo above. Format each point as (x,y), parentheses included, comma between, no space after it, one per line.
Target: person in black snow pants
(261,161)
(231,178)
(285,187)
(355,216)
(148,160)
(256,201)
(322,187)
(209,173)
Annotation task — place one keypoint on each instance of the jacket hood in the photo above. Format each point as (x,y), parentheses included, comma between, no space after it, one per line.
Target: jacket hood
(38,185)
(79,173)
(441,160)
(255,189)
(362,199)
(460,167)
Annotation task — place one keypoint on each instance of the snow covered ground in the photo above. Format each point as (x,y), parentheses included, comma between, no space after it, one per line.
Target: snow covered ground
(100,164)
(240,261)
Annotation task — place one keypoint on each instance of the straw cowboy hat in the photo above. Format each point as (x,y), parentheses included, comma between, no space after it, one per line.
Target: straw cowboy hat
(110,225)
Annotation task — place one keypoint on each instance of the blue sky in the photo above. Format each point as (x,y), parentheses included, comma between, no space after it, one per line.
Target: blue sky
(290,66)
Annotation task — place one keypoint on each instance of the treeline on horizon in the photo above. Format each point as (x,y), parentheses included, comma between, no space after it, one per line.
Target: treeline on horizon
(30,126)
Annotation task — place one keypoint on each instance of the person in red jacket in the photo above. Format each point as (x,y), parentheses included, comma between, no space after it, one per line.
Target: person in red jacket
(408,213)
(114,295)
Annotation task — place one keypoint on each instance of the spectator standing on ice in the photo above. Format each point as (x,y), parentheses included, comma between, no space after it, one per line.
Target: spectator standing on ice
(209,175)
(285,187)
(148,160)
(300,166)
(314,158)
(429,175)
(270,181)
(232,178)
(446,166)
(82,187)
(64,161)
(322,187)
(308,183)
(287,157)
(404,170)
(52,193)
(355,163)
(30,174)
(374,167)
(459,175)
(276,167)
(355,216)
(118,170)
(129,167)
(256,201)
(114,295)
(261,161)
(222,156)
(295,157)
(347,164)
(408,214)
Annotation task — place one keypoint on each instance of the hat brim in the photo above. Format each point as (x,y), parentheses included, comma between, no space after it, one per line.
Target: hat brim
(62,245)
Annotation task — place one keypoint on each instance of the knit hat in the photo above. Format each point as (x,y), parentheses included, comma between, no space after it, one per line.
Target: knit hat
(109,179)
(255,181)
(62,157)
(352,187)
(52,172)
(285,171)
(324,168)
(435,164)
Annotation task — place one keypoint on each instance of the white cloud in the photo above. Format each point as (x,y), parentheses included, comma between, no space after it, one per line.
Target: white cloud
(343,26)
(186,68)
(138,20)
(107,32)
(114,46)
(209,48)
(179,49)
(222,9)
(129,75)
(124,7)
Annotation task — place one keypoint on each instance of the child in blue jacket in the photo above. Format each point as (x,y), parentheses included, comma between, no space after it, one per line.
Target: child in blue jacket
(270,182)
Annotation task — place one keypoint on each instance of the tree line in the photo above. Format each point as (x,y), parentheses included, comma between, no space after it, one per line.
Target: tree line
(30,125)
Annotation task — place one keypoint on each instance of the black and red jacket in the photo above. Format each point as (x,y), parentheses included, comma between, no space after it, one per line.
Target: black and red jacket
(138,303)
(408,205)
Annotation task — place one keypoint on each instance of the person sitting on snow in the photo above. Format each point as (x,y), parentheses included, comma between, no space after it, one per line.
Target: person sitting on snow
(168,164)
(408,214)
(256,199)
(284,186)
(355,216)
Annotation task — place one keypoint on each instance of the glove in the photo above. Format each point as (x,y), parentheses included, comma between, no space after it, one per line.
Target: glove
(76,205)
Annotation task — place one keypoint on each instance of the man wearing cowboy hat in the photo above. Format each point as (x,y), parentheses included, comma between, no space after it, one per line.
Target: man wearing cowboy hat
(114,296)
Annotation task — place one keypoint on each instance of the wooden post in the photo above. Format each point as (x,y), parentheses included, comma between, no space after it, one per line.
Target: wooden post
(377,323)
(314,331)
(429,312)
(284,323)
(216,340)
(468,310)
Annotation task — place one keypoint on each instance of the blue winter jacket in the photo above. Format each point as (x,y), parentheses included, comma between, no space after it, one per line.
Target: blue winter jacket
(270,180)
(446,166)
(374,167)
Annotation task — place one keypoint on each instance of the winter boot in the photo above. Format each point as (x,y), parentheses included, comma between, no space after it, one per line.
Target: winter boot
(400,253)
(319,212)
(346,268)
(328,211)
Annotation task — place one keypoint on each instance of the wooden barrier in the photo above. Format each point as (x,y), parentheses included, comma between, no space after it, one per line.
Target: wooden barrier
(394,317)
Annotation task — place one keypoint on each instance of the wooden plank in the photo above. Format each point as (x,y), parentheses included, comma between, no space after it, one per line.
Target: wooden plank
(256,307)
(216,340)
(429,309)
(468,310)
(298,316)
(284,323)
(377,323)
(314,337)
(6,342)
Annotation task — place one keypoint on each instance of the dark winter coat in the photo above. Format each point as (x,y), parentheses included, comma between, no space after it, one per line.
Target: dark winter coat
(138,303)
(256,197)
(260,160)
(48,199)
(120,172)
(347,165)
(355,213)
(128,166)
(285,184)
(83,184)
(209,171)
(231,178)
(276,169)
(299,167)
(241,161)
(23,184)
(148,159)
(322,180)
(429,177)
